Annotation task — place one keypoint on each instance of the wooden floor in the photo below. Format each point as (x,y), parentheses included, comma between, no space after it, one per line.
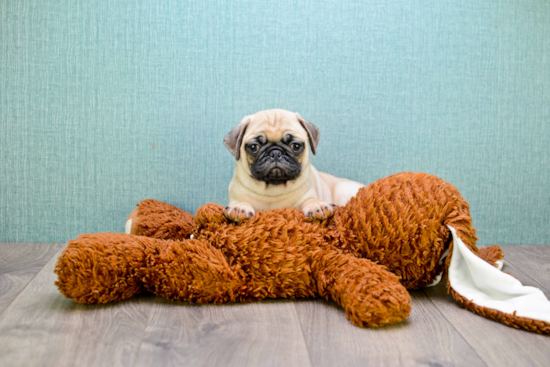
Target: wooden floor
(40,327)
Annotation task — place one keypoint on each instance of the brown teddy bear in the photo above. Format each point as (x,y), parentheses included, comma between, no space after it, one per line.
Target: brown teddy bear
(393,236)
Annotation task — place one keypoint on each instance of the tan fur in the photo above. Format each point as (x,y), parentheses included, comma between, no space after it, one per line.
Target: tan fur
(313,192)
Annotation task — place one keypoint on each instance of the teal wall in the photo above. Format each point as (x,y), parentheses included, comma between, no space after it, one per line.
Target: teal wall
(107,103)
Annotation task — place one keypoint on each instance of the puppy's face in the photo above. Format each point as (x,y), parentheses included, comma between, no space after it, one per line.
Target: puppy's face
(272,158)
(273,145)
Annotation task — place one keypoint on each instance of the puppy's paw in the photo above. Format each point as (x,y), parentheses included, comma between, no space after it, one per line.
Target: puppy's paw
(315,208)
(239,211)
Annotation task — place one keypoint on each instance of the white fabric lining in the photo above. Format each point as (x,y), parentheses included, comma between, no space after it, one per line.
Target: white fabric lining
(128,227)
(487,286)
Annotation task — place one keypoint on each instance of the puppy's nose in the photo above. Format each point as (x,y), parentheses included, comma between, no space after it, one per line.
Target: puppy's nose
(276,154)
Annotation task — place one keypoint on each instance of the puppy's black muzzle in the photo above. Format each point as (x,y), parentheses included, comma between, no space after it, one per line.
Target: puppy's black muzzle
(275,166)
(275,154)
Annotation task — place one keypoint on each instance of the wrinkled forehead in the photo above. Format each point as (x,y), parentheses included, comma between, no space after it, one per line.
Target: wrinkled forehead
(274,126)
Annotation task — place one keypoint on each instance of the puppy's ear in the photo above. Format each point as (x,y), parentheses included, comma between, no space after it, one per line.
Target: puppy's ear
(234,139)
(312,132)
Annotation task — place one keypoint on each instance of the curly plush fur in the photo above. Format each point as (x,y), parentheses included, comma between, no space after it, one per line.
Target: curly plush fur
(387,239)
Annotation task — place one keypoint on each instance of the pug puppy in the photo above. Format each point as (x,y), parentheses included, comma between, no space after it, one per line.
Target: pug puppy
(273,169)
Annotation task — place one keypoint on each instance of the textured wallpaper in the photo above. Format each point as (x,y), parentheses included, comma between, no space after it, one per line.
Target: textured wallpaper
(103,104)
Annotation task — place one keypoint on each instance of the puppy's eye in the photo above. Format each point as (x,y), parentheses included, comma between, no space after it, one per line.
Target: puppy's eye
(253,148)
(296,147)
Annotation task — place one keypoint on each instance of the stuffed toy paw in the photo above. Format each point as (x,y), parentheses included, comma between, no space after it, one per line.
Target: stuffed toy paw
(401,232)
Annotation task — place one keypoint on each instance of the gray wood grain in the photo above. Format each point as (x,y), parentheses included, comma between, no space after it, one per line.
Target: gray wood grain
(532,260)
(424,339)
(495,343)
(19,264)
(251,334)
(43,328)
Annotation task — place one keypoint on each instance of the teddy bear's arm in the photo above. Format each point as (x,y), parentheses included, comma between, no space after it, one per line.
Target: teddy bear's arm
(370,295)
(156,219)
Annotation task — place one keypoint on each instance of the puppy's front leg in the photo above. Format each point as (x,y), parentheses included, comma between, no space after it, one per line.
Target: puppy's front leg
(318,209)
(238,211)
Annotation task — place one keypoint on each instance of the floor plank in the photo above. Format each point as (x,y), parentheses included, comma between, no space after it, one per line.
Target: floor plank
(43,328)
(19,264)
(495,343)
(251,334)
(534,260)
(424,339)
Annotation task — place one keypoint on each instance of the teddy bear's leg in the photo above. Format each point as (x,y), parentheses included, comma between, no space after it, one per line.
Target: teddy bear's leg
(108,267)
(492,255)
(156,219)
(370,295)
(194,271)
(101,268)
